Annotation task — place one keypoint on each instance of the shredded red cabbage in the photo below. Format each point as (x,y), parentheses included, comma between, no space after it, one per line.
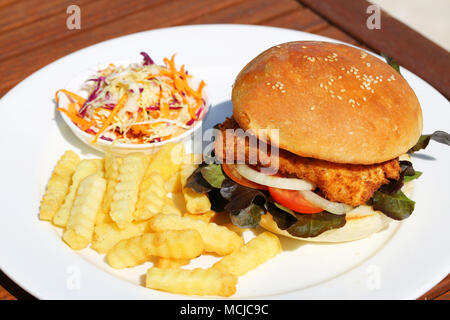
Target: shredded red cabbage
(109,106)
(106,138)
(199,111)
(94,94)
(147,60)
(155,140)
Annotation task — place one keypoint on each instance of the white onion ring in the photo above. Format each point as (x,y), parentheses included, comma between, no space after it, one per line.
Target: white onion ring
(273,181)
(332,207)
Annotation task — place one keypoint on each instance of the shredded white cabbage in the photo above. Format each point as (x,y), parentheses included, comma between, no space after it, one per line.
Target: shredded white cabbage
(160,102)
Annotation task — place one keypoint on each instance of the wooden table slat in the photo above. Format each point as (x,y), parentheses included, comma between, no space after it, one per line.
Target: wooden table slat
(249,12)
(24,12)
(30,36)
(304,20)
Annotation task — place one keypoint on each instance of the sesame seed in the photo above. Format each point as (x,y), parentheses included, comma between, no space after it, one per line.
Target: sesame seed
(339,97)
(342,90)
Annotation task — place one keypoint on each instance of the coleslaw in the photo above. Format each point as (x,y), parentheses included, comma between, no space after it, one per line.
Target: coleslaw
(138,103)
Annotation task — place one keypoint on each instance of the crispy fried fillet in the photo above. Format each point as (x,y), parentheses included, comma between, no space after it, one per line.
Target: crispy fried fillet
(352,184)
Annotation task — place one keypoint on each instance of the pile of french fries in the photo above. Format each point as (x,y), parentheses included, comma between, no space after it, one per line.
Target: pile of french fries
(121,207)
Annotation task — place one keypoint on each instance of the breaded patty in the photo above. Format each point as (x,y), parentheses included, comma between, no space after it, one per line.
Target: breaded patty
(352,184)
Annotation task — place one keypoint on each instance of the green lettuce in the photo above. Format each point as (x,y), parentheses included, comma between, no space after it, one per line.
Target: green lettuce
(424,140)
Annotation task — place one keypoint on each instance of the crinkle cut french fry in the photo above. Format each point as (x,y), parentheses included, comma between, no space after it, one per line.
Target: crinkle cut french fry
(207,216)
(195,202)
(111,165)
(170,207)
(152,195)
(167,160)
(100,163)
(80,226)
(258,250)
(131,173)
(166,263)
(216,238)
(173,184)
(192,282)
(173,244)
(107,235)
(84,168)
(235,228)
(59,184)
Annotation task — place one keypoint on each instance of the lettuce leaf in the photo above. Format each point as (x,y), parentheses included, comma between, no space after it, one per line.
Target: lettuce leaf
(197,183)
(305,225)
(390,61)
(395,185)
(424,140)
(213,174)
(396,206)
(416,175)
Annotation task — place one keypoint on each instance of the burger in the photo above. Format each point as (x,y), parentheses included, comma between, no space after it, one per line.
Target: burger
(318,145)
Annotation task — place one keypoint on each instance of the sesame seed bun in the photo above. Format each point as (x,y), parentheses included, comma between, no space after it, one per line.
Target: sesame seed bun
(329,101)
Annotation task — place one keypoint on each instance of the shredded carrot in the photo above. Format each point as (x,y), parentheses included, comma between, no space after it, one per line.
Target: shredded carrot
(71,108)
(111,116)
(79,100)
(200,88)
(84,124)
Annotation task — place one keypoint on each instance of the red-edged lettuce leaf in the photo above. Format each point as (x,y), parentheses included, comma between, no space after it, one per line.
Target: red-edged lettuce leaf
(245,205)
(396,206)
(305,225)
(197,183)
(395,185)
(424,140)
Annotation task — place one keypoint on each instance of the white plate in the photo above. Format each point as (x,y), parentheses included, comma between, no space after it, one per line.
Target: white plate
(402,262)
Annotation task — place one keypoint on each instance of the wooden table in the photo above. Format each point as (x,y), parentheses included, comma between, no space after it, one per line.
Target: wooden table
(33,34)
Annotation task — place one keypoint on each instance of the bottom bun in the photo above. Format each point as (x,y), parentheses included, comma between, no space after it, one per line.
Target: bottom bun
(362,221)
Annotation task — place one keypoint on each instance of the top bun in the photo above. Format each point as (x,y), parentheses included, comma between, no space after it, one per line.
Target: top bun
(329,101)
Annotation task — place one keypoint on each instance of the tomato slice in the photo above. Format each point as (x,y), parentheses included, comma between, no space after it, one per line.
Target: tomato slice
(293,200)
(234,175)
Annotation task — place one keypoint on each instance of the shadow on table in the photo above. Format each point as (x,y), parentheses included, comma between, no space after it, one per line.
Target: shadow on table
(14,289)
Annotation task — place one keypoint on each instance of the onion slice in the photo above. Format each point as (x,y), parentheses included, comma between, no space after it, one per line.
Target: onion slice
(273,181)
(332,207)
